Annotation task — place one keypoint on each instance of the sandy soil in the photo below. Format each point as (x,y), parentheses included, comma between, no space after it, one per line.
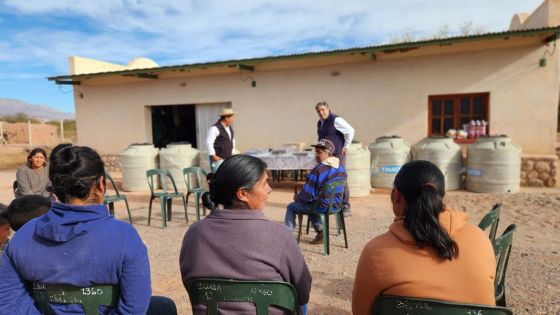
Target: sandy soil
(533,272)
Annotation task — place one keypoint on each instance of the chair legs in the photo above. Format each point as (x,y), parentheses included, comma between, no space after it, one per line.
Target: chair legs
(300,219)
(128,210)
(162,202)
(340,225)
(185,207)
(150,209)
(111,206)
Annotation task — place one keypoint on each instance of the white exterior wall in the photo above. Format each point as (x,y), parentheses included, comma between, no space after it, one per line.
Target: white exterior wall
(384,97)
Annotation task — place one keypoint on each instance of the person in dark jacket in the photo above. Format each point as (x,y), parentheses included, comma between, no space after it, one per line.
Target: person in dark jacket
(339,131)
(76,243)
(220,140)
(327,171)
(237,241)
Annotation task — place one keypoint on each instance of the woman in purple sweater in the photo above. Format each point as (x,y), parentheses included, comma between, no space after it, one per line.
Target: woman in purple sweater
(236,241)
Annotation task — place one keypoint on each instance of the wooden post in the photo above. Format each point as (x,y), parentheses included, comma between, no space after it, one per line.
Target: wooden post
(29,132)
(2,141)
(62,130)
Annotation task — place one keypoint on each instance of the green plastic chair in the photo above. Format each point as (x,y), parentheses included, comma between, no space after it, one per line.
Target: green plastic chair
(502,250)
(398,305)
(110,200)
(210,291)
(90,297)
(491,220)
(327,190)
(165,197)
(200,175)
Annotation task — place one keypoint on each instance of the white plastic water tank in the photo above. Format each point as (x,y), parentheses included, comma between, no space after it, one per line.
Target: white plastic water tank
(445,154)
(493,165)
(135,161)
(388,155)
(204,161)
(175,157)
(357,169)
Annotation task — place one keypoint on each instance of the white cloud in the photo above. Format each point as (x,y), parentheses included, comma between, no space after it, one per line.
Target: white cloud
(211,30)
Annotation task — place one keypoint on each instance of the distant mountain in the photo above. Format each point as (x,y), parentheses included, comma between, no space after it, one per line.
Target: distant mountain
(41,112)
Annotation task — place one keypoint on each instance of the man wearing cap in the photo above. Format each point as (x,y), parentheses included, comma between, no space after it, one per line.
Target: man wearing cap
(336,129)
(220,140)
(327,170)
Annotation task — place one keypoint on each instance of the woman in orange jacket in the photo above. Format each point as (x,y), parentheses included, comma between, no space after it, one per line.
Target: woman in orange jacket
(428,252)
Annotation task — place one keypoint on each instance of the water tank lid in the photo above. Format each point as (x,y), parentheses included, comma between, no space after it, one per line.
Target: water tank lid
(179,143)
(141,144)
(388,137)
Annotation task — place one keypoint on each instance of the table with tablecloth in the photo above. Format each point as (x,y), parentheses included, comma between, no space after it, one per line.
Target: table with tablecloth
(287,161)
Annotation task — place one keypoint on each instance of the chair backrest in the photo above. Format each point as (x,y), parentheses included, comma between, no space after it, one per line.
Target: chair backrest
(90,297)
(15,187)
(198,172)
(160,173)
(108,176)
(210,291)
(491,219)
(329,191)
(397,305)
(502,249)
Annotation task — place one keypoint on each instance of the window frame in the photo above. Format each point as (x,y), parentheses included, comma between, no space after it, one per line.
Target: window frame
(457,114)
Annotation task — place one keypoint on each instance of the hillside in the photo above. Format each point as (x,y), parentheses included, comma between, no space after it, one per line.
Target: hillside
(41,112)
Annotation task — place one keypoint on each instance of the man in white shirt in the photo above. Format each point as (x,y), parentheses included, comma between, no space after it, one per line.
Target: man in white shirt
(337,130)
(220,140)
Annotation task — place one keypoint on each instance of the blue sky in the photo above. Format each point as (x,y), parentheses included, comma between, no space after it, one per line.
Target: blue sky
(38,36)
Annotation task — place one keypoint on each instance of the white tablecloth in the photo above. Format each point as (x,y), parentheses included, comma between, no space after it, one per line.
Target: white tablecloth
(288,161)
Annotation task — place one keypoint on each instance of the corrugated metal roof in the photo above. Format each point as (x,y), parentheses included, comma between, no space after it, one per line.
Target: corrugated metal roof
(553,31)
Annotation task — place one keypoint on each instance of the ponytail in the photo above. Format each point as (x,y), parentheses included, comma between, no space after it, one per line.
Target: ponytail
(421,220)
(423,187)
(208,199)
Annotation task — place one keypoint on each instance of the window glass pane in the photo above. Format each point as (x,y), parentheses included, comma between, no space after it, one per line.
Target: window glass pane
(436,107)
(436,126)
(448,104)
(478,105)
(465,105)
(464,120)
(448,124)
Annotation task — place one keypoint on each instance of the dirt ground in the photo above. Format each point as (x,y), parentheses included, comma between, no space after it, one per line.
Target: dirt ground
(532,275)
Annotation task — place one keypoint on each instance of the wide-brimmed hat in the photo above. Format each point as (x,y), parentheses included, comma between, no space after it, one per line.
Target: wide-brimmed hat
(227,112)
(325,144)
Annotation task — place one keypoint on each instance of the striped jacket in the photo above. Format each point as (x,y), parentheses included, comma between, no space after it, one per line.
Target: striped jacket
(325,172)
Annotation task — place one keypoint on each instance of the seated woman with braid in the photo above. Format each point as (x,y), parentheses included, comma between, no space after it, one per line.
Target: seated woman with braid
(76,243)
(429,251)
(237,241)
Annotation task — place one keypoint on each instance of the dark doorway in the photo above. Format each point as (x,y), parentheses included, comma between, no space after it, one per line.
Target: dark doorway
(173,123)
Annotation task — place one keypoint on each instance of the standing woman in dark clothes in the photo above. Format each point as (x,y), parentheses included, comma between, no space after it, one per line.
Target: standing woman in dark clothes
(33,177)
(237,241)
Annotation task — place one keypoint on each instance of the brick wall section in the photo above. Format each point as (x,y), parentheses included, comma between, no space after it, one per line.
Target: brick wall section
(112,162)
(539,170)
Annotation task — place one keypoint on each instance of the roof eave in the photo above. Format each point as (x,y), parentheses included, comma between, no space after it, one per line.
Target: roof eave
(241,63)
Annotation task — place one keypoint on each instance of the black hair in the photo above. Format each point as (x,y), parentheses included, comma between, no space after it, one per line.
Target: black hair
(32,154)
(25,208)
(423,186)
(236,172)
(3,215)
(59,147)
(73,171)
